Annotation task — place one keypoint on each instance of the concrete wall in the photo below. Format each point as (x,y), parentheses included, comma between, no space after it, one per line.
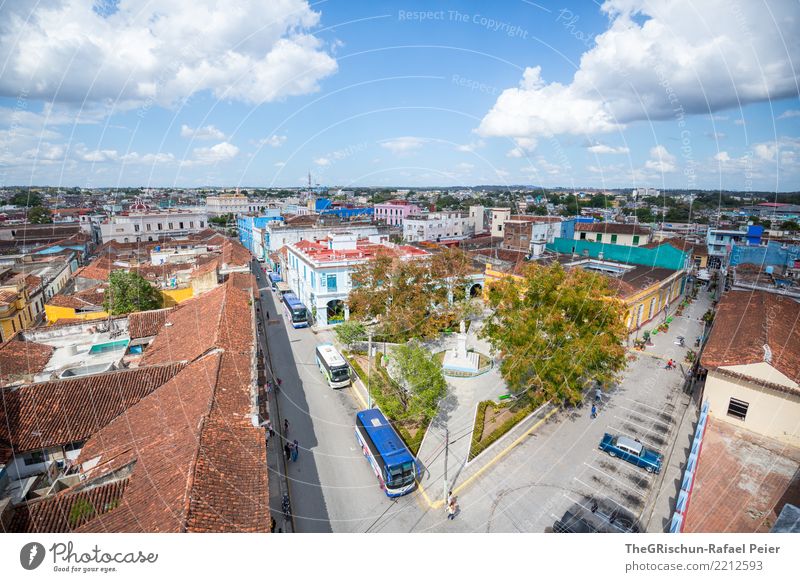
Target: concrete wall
(771,413)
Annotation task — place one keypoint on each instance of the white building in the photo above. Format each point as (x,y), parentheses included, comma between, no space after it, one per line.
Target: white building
(276,234)
(436,226)
(143,225)
(235,204)
(318,272)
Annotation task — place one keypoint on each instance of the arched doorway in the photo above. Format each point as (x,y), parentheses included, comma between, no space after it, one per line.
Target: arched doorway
(335,308)
(476,290)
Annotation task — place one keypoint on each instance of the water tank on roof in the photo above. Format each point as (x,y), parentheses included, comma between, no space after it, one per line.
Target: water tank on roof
(769,269)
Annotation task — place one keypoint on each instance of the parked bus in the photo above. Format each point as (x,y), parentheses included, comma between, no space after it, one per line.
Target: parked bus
(296,310)
(274,279)
(390,459)
(333,366)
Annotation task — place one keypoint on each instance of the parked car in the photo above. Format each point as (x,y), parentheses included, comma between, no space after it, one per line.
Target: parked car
(632,451)
(596,515)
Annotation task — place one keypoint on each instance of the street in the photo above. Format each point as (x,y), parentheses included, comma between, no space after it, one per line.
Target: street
(333,489)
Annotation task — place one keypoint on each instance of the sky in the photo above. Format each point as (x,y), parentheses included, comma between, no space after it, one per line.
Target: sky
(686,94)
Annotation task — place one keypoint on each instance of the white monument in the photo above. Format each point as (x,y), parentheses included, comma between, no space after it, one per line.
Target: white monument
(459,359)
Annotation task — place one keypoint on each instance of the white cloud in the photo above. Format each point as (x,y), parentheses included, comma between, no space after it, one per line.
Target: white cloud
(280,164)
(660,160)
(222,152)
(464,167)
(206,132)
(403,145)
(766,151)
(738,121)
(515,153)
(655,57)
(789,113)
(322,161)
(471,147)
(155,52)
(722,157)
(273,141)
(601,148)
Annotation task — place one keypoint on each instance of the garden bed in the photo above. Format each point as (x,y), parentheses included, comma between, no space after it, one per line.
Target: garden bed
(492,421)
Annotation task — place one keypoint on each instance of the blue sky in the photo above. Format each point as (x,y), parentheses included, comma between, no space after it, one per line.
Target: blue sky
(626,93)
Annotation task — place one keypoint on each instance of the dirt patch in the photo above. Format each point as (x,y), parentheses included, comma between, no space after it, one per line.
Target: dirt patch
(494,419)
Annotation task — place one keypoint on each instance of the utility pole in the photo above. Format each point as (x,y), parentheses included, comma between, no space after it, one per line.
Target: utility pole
(446,451)
(369,367)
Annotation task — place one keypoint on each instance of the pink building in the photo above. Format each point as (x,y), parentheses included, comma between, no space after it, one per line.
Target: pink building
(394,211)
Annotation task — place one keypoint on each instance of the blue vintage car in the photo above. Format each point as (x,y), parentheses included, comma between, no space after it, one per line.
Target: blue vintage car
(632,451)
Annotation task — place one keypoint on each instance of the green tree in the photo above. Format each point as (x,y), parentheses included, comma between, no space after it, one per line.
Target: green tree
(644,215)
(790,225)
(39,215)
(129,292)
(537,209)
(26,200)
(555,331)
(421,381)
(350,332)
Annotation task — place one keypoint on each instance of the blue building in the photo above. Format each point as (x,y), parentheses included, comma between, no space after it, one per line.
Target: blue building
(773,254)
(249,230)
(349,213)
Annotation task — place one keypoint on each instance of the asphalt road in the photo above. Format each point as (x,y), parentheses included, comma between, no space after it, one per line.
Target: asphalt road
(322,420)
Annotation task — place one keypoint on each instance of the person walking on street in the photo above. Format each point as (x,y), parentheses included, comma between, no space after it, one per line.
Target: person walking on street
(594,411)
(452,508)
(285,427)
(295,450)
(598,394)
(270,429)
(287,450)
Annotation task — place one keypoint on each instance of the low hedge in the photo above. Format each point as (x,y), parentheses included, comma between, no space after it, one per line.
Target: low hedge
(479,444)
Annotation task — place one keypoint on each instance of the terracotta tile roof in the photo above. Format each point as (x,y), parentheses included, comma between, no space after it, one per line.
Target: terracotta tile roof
(190,330)
(68,510)
(745,322)
(147,323)
(22,358)
(199,462)
(234,254)
(7,296)
(611,228)
(60,412)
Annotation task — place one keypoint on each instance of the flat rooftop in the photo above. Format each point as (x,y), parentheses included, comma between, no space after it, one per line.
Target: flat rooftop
(743,481)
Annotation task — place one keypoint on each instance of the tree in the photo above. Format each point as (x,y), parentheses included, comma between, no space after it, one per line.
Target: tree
(537,209)
(421,379)
(129,292)
(39,215)
(790,225)
(555,331)
(26,200)
(350,332)
(644,215)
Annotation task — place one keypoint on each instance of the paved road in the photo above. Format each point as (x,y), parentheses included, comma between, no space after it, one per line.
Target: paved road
(322,420)
(333,488)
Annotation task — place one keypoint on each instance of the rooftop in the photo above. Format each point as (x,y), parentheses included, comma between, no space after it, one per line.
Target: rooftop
(743,481)
(611,228)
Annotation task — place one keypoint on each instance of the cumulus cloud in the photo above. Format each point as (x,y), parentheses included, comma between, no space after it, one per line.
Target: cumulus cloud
(471,146)
(323,161)
(147,52)
(789,113)
(601,148)
(660,160)
(722,157)
(207,132)
(273,141)
(403,145)
(656,57)
(221,152)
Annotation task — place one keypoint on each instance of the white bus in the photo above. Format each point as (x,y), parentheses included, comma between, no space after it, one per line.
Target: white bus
(333,366)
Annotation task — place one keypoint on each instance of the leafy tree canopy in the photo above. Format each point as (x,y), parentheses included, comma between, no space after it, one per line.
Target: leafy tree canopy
(421,378)
(39,215)
(129,292)
(556,330)
(350,332)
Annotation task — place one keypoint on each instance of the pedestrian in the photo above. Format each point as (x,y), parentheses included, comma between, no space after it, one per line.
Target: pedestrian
(450,498)
(285,427)
(598,394)
(272,525)
(270,429)
(594,411)
(295,450)
(452,508)
(287,450)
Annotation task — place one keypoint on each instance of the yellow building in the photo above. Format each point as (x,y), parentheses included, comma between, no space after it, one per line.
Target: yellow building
(20,302)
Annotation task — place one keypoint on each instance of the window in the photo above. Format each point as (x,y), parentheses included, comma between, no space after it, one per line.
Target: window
(191,224)
(599,237)
(635,240)
(169,226)
(35,458)
(201,224)
(136,228)
(160,227)
(737,408)
(180,225)
(331,282)
(613,239)
(583,236)
(148,226)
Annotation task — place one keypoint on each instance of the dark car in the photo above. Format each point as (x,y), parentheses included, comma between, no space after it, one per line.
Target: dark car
(596,516)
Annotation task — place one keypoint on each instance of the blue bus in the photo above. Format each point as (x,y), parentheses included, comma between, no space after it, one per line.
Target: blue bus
(296,310)
(390,459)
